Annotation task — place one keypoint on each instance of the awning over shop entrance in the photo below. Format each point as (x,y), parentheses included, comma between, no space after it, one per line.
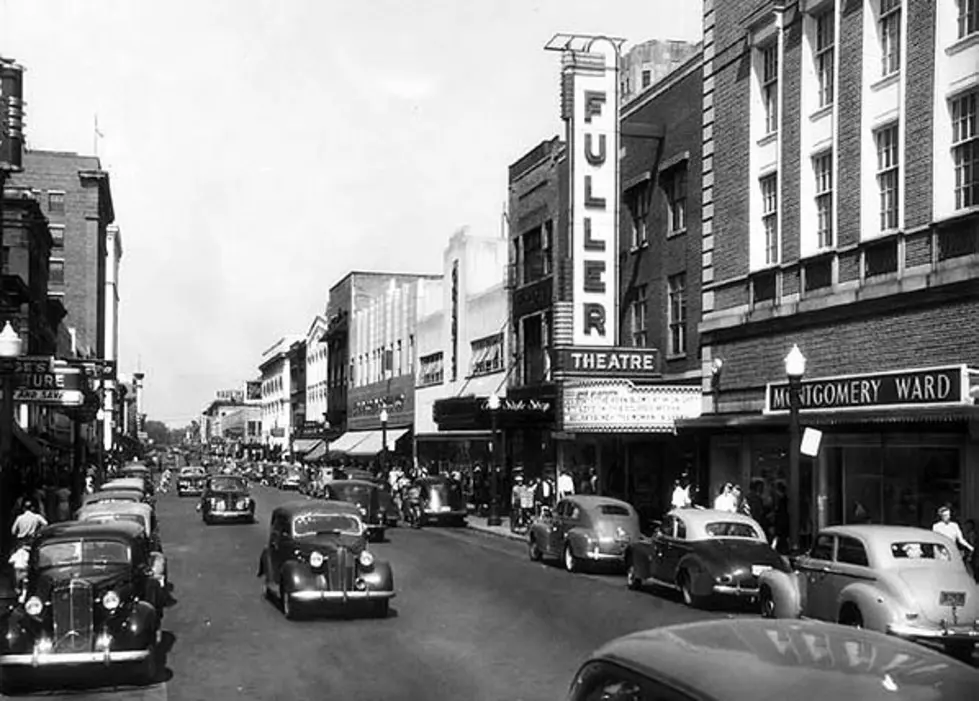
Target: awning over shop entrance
(373,442)
(317,453)
(454,436)
(301,446)
(348,440)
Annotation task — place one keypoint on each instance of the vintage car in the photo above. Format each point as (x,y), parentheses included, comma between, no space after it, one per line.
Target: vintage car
(584,529)
(290,478)
(140,471)
(367,497)
(227,498)
(92,602)
(190,481)
(140,514)
(905,581)
(317,554)
(443,501)
(130,484)
(108,495)
(703,553)
(749,659)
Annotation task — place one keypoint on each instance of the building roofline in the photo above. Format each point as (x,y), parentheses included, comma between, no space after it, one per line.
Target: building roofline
(691,65)
(379,273)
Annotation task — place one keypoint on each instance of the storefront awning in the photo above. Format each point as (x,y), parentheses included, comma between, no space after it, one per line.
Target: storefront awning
(903,415)
(317,453)
(454,436)
(348,440)
(301,446)
(373,442)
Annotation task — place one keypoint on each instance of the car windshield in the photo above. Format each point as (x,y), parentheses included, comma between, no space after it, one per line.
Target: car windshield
(351,492)
(228,484)
(732,529)
(83,552)
(311,524)
(192,472)
(920,551)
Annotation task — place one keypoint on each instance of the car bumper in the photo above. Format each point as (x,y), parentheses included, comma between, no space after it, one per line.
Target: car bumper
(51,659)
(311,595)
(734,590)
(604,557)
(953,634)
(230,515)
(193,491)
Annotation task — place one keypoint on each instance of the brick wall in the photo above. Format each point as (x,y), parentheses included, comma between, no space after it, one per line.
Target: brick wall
(792,160)
(919,135)
(849,103)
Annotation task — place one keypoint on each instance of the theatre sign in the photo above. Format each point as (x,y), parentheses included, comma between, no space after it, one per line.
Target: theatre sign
(613,406)
(938,386)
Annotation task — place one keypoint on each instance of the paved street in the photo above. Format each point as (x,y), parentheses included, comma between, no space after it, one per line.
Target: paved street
(473,619)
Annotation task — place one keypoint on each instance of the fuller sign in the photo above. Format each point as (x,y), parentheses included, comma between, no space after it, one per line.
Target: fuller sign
(590,86)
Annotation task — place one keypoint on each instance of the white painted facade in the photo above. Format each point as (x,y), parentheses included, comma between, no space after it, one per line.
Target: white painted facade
(316,365)
(113,253)
(276,394)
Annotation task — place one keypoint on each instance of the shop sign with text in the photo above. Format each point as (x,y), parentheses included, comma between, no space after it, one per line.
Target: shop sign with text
(941,386)
(40,380)
(591,113)
(623,407)
(607,362)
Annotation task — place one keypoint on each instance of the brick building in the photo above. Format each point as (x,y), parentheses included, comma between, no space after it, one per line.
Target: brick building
(841,214)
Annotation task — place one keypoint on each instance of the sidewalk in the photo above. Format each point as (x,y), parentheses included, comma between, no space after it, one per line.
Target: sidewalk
(478,523)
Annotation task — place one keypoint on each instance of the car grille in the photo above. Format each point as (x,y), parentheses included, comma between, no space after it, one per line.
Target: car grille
(340,570)
(72,617)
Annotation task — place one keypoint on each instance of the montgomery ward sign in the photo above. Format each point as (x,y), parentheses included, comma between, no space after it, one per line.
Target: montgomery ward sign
(591,112)
(940,386)
(607,362)
(621,406)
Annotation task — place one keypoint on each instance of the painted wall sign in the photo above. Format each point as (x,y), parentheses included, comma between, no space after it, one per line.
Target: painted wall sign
(940,386)
(593,135)
(607,362)
(620,405)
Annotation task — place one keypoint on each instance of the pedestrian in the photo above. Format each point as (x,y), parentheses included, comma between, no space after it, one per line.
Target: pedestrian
(28,524)
(19,560)
(950,529)
(972,537)
(754,504)
(739,502)
(565,485)
(681,495)
(62,495)
(725,499)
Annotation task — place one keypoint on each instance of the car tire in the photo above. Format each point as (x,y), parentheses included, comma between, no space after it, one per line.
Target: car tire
(850,616)
(766,603)
(381,608)
(686,591)
(533,550)
(632,579)
(289,608)
(960,651)
(571,563)
(149,669)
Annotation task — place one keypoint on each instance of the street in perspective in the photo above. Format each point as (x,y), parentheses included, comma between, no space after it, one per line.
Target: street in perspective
(339,359)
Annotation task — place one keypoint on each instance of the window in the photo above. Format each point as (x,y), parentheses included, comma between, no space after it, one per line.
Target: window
(965,149)
(887,171)
(547,239)
(639,197)
(676,199)
(823,549)
(56,202)
(56,272)
(889,28)
(769,217)
(677,296)
(647,79)
(57,236)
(850,551)
(638,310)
(769,87)
(822,166)
(824,56)
(968,18)
(431,370)
(487,355)
(533,256)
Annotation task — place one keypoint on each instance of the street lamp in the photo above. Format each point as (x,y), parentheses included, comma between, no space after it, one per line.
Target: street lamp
(10,348)
(494,515)
(384,441)
(795,368)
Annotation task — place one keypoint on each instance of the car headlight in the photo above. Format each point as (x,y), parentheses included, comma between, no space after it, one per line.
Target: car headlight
(110,601)
(363,511)
(242,504)
(316,559)
(34,606)
(366,559)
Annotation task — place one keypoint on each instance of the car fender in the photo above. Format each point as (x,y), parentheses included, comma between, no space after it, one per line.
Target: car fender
(701,578)
(637,553)
(578,539)
(139,626)
(787,590)
(876,608)
(295,575)
(263,560)
(380,577)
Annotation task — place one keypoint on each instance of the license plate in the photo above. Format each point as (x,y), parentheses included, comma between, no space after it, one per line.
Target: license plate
(445,508)
(756,570)
(951,598)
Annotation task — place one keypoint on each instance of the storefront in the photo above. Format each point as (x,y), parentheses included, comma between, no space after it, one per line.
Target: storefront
(375,413)
(894,447)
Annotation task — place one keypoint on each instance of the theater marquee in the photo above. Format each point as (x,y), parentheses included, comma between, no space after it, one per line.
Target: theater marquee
(613,406)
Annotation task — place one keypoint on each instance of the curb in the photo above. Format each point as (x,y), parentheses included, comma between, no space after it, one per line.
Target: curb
(508,535)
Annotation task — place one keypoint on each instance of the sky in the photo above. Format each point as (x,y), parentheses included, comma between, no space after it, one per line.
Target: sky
(261,149)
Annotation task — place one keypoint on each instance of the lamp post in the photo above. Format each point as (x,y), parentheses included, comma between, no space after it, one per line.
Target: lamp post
(384,441)
(10,348)
(494,515)
(795,368)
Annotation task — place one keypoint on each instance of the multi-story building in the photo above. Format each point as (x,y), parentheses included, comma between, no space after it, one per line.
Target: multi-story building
(222,418)
(841,215)
(376,313)
(277,415)
(317,352)
(648,63)
(113,252)
(462,356)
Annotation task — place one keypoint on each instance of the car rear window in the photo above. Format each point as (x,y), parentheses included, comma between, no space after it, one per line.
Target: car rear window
(920,551)
(731,529)
(613,510)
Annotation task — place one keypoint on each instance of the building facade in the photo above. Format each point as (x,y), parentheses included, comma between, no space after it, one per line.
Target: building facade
(840,213)
(113,251)
(646,64)
(317,353)
(376,312)
(277,415)
(462,353)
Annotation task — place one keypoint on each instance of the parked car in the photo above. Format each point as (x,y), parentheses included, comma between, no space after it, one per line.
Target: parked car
(105,496)
(703,554)
(584,529)
(136,484)
(91,603)
(317,554)
(443,501)
(367,497)
(750,659)
(190,481)
(290,479)
(140,514)
(140,471)
(905,581)
(227,498)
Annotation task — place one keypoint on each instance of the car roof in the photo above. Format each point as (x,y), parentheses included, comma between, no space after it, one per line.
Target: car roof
(125,483)
(122,507)
(790,655)
(697,519)
(354,483)
(73,530)
(115,492)
(873,532)
(590,502)
(318,506)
